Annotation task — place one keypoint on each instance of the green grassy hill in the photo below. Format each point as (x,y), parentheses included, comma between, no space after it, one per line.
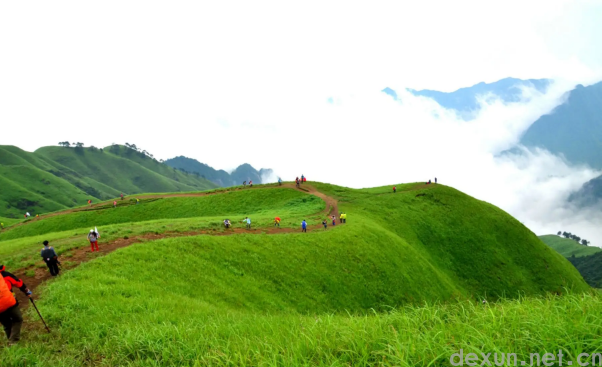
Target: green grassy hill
(567,247)
(56,178)
(590,268)
(326,297)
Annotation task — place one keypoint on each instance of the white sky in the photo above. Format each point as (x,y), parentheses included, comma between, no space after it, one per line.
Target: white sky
(234,82)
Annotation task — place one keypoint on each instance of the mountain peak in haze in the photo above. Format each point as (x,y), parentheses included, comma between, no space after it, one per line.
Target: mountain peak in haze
(244,172)
(465,100)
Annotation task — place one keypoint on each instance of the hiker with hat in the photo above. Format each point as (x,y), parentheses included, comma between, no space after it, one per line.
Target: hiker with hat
(10,315)
(277,222)
(50,258)
(93,238)
(227,223)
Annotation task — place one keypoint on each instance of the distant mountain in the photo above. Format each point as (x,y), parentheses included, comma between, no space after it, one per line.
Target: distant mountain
(590,193)
(465,100)
(573,129)
(56,178)
(244,172)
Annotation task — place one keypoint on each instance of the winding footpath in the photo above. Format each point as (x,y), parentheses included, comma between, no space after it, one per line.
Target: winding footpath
(81,254)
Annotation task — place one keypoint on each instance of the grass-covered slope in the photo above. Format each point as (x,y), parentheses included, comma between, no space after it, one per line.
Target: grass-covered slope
(124,173)
(590,267)
(233,205)
(567,247)
(55,178)
(317,298)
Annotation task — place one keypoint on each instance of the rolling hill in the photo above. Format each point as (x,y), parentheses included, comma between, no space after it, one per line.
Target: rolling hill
(567,247)
(180,284)
(183,290)
(55,178)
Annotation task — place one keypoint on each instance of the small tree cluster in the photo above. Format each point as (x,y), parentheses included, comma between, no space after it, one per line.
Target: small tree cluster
(143,153)
(574,237)
(65,144)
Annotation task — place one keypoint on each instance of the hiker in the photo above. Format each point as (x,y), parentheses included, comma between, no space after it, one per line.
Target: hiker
(27,214)
(277,222)
(341,218)
(334,221)
(279,181)
(344,217)
(297,181)
(50,258)
(227,223)
(428,183)
(122,196)
(37,215)
(244,183)
(93,238)
(89,202)
(435,179)
(325,224)
(250,183)
(10,315)
(248,221)
(114,203)
(394,189)
(304,226)
(137,201)
(1,225)
(302,178)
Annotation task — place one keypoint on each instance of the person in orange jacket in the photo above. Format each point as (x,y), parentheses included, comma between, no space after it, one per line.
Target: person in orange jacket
(10,315)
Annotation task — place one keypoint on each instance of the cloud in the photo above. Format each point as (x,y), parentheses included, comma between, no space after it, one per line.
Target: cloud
(297,88)
(370,139)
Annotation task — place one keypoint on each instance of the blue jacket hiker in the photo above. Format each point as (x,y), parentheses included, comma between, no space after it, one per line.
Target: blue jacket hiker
(304,226)
(50,258)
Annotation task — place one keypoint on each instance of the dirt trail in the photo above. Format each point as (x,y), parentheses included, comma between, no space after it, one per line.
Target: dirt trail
(98,206)
(83,254)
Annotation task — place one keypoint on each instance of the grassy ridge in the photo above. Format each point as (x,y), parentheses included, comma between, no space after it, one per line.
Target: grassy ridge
(237,203)
(55,178)
(567,247)
(475,243)
(227,303)
(327,297)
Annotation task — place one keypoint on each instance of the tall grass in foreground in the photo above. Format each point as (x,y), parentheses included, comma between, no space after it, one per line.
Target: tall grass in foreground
(408,336)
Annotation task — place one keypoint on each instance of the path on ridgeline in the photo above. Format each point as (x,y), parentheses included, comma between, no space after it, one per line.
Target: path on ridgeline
(81,254)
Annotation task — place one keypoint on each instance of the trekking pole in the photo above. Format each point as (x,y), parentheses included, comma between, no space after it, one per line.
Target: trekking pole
(39,314)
